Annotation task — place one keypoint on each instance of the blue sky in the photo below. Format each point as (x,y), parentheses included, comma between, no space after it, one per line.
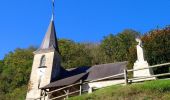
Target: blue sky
(24,22)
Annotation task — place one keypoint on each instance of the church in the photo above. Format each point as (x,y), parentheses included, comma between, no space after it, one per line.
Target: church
(47,73)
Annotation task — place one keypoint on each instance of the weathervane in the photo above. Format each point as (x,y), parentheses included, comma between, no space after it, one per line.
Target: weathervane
(53,10)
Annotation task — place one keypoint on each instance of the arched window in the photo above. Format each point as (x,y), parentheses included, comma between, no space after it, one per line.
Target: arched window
(43,60)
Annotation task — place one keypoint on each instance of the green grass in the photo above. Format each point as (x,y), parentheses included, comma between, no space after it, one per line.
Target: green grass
(150,90)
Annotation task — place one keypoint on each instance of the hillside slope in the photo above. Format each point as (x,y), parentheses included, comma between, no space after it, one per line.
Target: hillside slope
(151,90)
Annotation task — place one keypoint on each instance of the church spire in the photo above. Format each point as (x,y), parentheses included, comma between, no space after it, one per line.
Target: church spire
(50,39)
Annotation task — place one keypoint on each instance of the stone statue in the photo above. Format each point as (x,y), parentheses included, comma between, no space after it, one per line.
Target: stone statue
(140,54)
(141,63)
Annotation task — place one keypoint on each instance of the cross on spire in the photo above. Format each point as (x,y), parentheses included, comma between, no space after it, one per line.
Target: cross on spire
(53,1)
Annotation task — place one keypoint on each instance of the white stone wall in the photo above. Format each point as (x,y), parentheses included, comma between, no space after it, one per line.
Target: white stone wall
(34,78)
(101,84)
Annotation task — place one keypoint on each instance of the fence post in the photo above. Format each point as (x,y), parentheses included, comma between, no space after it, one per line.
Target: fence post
(67,94)
(80,87)
(125,76)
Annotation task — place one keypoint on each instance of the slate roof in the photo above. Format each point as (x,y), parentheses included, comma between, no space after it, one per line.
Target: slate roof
(50,39)
(105,70)
(78,70)
(86,73)
(65,81)
(64,73)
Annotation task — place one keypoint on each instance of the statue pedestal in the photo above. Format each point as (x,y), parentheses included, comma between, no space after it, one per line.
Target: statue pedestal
(144,74)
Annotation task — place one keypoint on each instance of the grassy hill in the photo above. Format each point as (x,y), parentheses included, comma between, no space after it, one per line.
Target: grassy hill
(151,90)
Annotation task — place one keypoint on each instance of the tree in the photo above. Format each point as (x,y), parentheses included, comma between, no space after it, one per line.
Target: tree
(116,47)
(16,70)
(127,41)
(1,66)
(73,54)
(132,56)
(96,53)
(157,47)
(109,46)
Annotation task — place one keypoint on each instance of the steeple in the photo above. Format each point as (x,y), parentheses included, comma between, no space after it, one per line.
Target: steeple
(46,64)
(50,39)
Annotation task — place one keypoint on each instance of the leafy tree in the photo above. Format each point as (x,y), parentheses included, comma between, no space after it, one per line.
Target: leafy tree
(73,54)
(132,56)
(96,53)
(109,46)
(116,47)
(127,41)
(157,47)
(16,71)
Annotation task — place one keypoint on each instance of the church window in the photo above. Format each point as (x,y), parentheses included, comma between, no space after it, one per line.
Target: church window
(43,60)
